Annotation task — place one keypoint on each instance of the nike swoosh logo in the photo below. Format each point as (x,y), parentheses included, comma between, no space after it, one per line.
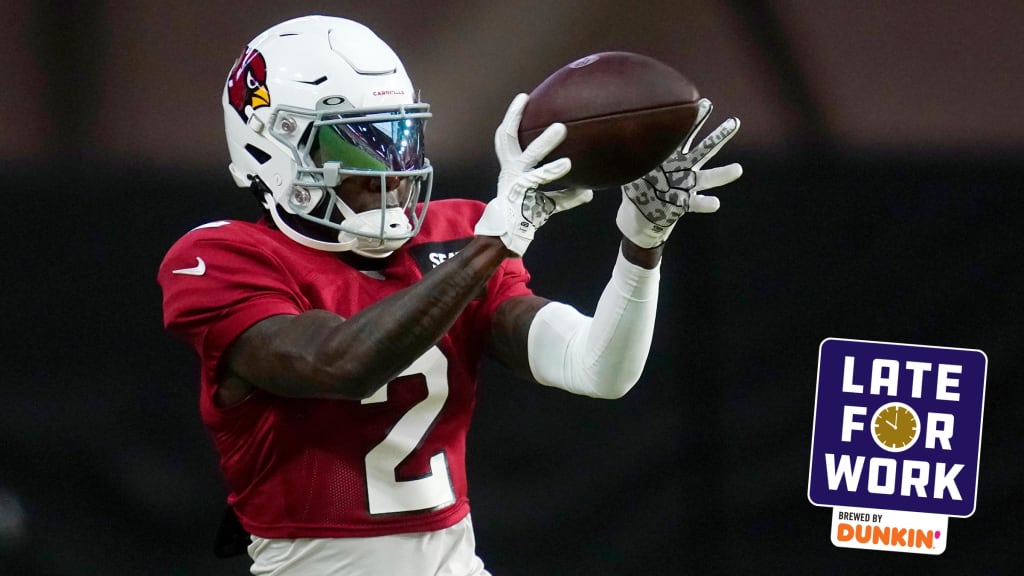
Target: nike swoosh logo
(198,270)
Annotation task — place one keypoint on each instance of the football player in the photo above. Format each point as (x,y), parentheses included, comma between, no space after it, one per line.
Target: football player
(340,335)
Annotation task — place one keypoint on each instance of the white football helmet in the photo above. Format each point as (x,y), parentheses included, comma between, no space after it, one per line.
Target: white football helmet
(313,101)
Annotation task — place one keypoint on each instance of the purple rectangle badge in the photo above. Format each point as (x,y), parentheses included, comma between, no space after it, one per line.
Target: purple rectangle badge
(897,427)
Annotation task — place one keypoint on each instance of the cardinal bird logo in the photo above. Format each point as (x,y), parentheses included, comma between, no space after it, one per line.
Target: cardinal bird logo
(247,84)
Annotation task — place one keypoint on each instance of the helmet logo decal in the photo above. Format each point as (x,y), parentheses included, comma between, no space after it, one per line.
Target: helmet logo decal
(247,84)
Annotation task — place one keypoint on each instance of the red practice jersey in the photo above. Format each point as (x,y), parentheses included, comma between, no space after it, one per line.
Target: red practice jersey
(316,468)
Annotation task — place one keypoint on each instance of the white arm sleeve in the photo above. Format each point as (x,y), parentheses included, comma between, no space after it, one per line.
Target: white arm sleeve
(602,356)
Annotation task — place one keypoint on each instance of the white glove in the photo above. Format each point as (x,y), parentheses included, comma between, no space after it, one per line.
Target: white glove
(519,208)
(652,204)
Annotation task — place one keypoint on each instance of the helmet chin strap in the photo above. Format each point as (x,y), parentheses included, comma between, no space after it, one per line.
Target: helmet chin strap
(368,222)
(293,234)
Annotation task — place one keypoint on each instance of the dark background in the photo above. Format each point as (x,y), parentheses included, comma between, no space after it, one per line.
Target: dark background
(882,148)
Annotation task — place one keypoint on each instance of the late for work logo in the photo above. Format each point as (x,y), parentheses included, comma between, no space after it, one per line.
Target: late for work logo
(897,441)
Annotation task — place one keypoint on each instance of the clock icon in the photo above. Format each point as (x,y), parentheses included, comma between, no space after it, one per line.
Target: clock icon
(895,427)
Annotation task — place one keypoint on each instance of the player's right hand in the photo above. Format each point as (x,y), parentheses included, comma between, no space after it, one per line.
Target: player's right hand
(519,208)
(651,205)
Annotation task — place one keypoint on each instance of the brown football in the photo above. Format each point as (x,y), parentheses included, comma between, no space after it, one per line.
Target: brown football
(625,113)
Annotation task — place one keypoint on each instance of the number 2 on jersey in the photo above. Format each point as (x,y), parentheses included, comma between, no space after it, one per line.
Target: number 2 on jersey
(386,494)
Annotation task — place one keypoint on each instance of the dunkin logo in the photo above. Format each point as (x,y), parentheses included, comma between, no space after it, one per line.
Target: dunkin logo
(887,535)
(887,530)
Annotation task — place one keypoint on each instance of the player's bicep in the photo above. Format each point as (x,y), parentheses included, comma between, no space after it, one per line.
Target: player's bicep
(279,354)
(243,366)
(510,332)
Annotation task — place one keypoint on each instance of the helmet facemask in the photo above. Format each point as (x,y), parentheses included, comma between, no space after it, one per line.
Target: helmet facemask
(339,143)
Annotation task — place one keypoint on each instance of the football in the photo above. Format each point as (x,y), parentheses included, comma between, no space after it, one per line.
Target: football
(625,114)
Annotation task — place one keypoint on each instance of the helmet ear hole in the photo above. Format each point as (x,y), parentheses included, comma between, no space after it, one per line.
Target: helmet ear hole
(258,154)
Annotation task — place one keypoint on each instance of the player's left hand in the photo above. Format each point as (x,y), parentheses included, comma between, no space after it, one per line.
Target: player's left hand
(651,205)
(519,207)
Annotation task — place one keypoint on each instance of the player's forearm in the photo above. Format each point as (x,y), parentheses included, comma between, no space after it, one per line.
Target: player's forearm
(367,350)
(648,258)
(601,356)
